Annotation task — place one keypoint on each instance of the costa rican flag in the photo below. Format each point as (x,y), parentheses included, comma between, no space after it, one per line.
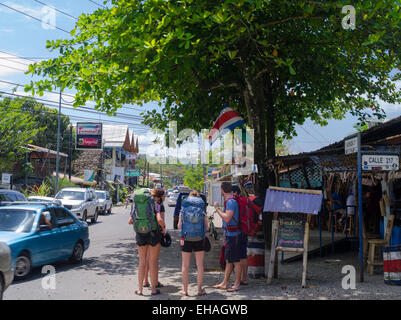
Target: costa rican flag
(228,119)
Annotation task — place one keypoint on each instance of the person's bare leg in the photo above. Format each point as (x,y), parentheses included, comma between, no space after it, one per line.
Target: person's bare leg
(153,256)
(199,256)
(186,259)
(158,255)
(227,274)
(237,281)
(142,251)
(146,275)
(244,270)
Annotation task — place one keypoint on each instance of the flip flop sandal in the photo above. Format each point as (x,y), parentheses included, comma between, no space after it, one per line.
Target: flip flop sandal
(233,289)
(183,293)
(137,293)
(243,283)
(155,293)
(146,285)
(202,293)
(219,287)
(159,285)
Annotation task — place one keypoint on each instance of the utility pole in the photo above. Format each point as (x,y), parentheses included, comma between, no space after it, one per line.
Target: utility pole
(58,143)
(148,176)
(70,154)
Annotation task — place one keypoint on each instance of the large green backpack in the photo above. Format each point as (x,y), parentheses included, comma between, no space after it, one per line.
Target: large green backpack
(144,217)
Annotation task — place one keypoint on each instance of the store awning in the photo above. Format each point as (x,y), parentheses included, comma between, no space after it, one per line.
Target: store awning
(285,200)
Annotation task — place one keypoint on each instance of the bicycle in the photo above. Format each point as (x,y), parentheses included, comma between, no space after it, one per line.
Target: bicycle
(212,228)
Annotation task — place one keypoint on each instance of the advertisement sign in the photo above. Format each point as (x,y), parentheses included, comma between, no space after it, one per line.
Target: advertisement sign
(89,136)
(6,178)
(380,162)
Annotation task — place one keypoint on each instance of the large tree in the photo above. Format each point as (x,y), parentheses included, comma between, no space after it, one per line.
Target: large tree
(276,62)
(17,129)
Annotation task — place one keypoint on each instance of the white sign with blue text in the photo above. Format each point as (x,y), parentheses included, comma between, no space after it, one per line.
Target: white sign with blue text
(380,162)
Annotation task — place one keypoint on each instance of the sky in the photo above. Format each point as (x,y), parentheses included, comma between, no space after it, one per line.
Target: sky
(22,36)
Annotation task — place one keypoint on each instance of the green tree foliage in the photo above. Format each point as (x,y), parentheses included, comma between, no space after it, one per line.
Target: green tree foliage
(194,178)
(17,129)
(277,63)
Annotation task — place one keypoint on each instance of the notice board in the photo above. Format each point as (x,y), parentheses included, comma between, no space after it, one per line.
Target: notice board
(291,230)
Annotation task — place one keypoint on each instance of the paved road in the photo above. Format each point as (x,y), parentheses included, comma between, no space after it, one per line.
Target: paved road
(108,270)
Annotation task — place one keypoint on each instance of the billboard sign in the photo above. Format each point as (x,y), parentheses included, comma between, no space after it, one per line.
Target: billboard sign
(89,136)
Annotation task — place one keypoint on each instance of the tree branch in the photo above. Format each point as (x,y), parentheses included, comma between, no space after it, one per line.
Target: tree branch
(210,86)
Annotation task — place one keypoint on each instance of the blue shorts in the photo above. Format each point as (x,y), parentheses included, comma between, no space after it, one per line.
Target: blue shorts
(232,252)
(243,254)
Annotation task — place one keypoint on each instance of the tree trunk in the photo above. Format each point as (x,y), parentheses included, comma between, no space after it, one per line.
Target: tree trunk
(259,102)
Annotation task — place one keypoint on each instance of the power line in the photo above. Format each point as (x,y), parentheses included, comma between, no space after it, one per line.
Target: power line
(83,109)
(97,4)
(30,16)
(54,8)
(2,65)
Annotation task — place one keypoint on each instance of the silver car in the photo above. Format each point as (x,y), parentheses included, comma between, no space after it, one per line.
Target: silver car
(6,272)
(105,202)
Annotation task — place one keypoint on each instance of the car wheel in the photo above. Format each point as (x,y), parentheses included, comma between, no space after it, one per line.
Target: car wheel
(77,253)
(23,266)
(94,218)
(85,216)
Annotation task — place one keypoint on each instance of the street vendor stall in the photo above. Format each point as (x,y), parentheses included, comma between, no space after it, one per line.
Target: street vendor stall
(290,232)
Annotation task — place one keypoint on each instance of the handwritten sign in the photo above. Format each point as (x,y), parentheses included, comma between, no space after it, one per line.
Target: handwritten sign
(291,231)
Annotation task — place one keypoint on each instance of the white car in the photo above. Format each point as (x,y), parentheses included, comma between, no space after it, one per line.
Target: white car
(80,201)
(44,199)
(105,202)
(6,272)
(172,199)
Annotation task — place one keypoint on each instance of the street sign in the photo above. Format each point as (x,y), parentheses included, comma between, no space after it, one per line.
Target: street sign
(380,162)
(6,178)
(89,136)
(351,146)
(133,172)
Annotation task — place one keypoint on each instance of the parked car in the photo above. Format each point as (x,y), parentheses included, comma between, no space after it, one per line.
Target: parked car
(172,199)
(7,196)
(80,201)
(105,202)
(6,271)
(42,199)
(169,191)
(182,196)
(33,243)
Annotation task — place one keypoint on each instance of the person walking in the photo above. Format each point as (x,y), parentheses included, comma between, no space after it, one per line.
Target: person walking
(232,254)
(193,224)
(159,197)
(145,221)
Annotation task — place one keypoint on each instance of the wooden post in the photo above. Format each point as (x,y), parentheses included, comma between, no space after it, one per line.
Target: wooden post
(273,248)
(306,246)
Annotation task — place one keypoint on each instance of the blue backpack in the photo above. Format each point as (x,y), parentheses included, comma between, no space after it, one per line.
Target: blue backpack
(192,221)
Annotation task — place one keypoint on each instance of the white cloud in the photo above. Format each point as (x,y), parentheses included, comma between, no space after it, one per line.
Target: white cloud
(37,13)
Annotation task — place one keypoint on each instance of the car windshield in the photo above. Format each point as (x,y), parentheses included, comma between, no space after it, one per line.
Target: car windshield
(71,195)
(16,220)
(101,195)
(4,197)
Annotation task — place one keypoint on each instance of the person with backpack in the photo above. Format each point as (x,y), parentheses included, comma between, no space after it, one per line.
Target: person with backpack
(193,224)
(232,252)
(159,197)
(243,246)
(145,222)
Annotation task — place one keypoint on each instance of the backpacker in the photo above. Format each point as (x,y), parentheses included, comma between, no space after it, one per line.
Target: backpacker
(144,217)
(248,218)
(193,223)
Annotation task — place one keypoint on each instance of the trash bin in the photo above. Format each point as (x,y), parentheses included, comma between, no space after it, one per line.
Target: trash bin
(392,265)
